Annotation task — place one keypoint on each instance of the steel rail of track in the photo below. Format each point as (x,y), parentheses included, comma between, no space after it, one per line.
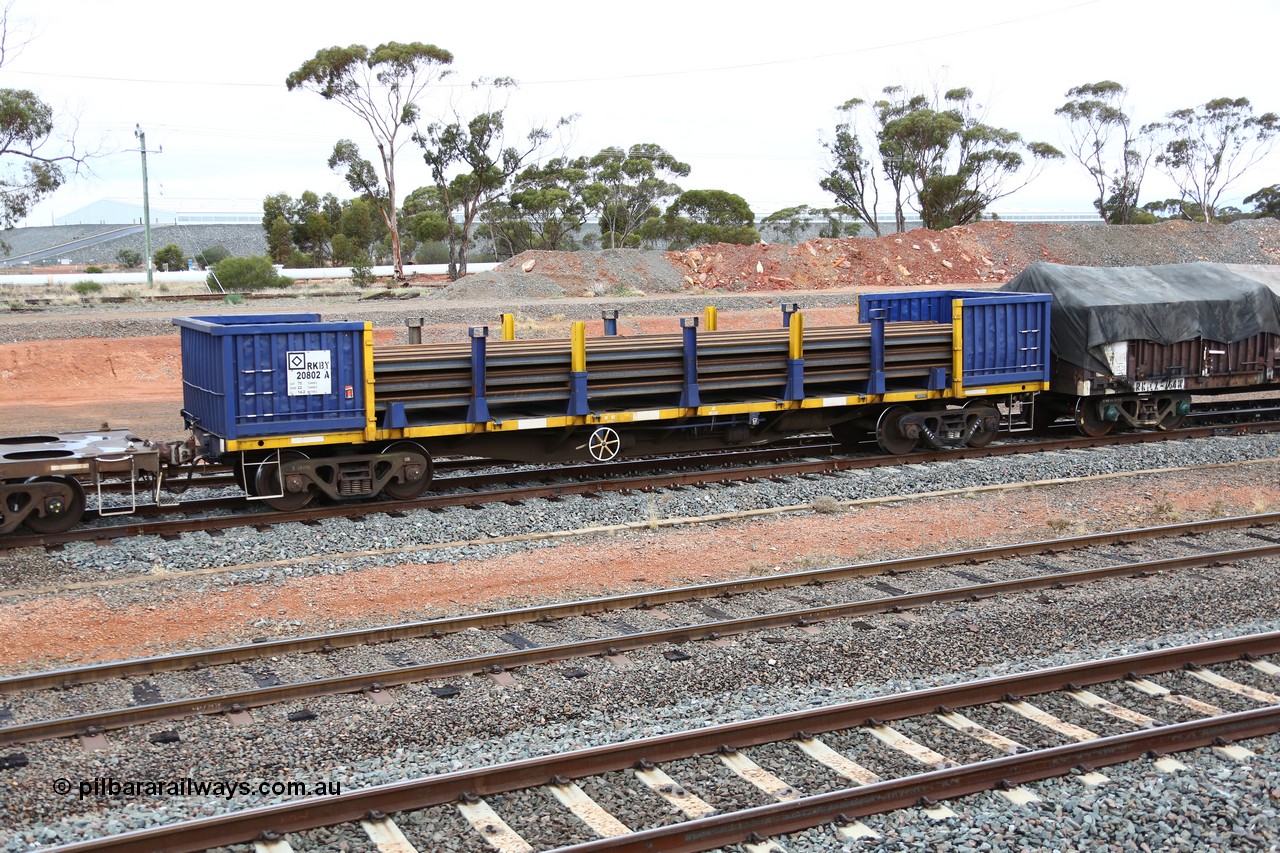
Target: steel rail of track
(635,483)
(333,641)
(502,661)
(223,474)
(839,807)
(249,824)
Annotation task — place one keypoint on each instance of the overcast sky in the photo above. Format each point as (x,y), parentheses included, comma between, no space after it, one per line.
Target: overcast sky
(741,91)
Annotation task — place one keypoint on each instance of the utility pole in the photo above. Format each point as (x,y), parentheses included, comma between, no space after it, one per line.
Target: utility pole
(146,199)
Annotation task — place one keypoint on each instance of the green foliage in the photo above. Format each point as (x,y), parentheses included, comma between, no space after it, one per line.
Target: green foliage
(434,252)
(84,288)
(626,188)
(171,257)
(93,269)
(301,260)
(1173,208)
(710,216)
(381,87)
(477,147)
(360,224)
(544,211)
(1266,201)
(279,239)
(937,151)
(362,271)
(251,273)
(303,224)
(850,174)
(1205,149)
(27,175)
(1104,141)
(791,224)
(233,299)
(212,255)
(129,258)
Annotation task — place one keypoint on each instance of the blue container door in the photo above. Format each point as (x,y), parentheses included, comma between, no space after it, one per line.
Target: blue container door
(1005,341)
(297,381)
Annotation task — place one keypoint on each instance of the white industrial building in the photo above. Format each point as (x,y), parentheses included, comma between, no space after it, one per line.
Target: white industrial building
(114,211)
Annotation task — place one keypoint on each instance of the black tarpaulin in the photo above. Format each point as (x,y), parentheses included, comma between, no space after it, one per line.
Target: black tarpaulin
(1093,306)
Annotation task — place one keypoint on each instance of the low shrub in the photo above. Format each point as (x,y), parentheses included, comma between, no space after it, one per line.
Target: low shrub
(92,269)
(432,253)
(129,258)
(212,255)
(252,273)
(84,288)
(171,258)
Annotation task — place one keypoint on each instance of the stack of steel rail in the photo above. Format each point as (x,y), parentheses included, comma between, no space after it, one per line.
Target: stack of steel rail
(435,380)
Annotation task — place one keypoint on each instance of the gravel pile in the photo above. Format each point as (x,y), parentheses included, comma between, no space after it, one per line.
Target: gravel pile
(1247,241)
(618,272)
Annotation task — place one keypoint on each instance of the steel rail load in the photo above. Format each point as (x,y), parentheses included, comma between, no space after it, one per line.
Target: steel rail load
(304,408)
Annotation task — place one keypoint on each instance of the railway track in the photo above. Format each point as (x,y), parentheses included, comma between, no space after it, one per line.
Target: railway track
(633,475)
(601,627)
(830,766)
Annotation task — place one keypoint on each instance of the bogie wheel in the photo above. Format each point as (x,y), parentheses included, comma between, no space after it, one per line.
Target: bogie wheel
(604,444)
(1089,421)
(62,517)
(983,410)
(1173,420)
(266,482)
(407,490)
(893,435)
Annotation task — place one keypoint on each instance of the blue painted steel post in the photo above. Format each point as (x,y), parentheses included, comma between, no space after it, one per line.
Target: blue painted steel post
(689,396)
(610,317)
(478,411)
(875,378)
(788,308)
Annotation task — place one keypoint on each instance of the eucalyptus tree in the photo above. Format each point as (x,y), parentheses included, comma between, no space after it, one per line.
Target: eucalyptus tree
(472,163)
(850,174)
(626,188)
(545,209)
(937,154)
(381,87)
(32,158)
(1108,145)
(1207,148)
(710,216)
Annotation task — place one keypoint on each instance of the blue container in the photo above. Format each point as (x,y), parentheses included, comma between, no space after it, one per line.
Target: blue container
(249,376)
(1005,340)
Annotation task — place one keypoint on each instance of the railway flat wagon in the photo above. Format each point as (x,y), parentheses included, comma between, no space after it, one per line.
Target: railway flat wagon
(43,478)
(1132,344)
(303,408)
